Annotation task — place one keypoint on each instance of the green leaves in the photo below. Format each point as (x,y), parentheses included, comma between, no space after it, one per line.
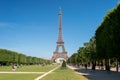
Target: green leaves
(85,54)
(8,57)
(106,42)
(64,64)
(108,35)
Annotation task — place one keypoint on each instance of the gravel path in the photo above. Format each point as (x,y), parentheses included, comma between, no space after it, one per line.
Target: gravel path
(40,77)
(98,74)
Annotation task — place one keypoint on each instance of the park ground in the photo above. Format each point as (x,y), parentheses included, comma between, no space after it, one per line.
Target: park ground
(36,71)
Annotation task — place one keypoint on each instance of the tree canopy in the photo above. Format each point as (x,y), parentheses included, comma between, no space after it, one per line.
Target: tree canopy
(105,45)
(7,57)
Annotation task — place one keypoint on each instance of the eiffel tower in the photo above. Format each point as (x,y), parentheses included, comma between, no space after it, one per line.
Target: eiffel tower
(60,43)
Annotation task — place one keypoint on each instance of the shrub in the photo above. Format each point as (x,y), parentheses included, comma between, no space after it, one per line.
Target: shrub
(63,65)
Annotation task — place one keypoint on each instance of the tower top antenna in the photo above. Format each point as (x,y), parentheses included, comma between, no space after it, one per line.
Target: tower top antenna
(60,12)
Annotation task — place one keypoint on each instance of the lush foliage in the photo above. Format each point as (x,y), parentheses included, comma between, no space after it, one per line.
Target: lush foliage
(104,47)
(85,54)
(7,57)
(64,64)
(108,36)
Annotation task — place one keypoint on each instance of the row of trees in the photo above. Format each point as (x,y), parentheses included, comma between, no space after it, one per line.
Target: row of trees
(103,48)
(85,55)
(7,57)
(108,37)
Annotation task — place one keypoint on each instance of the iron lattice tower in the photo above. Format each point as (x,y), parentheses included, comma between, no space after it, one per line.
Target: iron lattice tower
(60,42)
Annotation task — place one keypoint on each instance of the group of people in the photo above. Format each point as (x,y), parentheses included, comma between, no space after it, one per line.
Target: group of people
(14,67)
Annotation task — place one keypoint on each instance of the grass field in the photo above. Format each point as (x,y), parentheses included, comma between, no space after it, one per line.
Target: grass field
(67,74)
(59,74)
(35,68)
(18,76)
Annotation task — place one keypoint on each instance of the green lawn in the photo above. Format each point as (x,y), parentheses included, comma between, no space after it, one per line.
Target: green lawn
(5,68)
(34,68)
(18,76)
(67,74)
(58,74)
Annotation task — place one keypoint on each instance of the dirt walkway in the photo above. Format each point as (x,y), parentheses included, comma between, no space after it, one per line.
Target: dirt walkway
(40,77)
(98,74)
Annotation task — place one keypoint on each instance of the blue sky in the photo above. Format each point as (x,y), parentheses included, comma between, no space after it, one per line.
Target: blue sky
(31,26)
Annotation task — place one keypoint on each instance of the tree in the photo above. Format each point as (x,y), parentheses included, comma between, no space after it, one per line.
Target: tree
(63,64)
(22,59)
(29,60)
(108,37)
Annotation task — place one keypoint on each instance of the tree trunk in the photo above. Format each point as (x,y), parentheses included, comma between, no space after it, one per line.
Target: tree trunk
(107,66)
(102,64)
(117,65)
(93,65)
